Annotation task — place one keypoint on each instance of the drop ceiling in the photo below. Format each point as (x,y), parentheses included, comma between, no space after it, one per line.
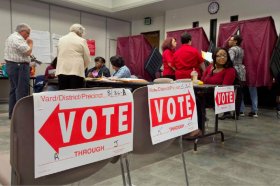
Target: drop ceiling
(126,9)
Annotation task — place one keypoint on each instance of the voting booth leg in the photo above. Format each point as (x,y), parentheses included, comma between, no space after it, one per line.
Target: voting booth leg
(184,160)
(123,170)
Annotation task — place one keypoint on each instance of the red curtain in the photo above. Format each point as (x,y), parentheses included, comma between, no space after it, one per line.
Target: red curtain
(199,38)
(259,39)
(135,50)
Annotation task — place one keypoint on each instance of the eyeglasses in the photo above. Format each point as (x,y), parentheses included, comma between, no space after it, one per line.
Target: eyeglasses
(28,32)
(221,56)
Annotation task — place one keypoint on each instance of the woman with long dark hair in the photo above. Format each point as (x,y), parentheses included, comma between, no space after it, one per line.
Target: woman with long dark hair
(221,72)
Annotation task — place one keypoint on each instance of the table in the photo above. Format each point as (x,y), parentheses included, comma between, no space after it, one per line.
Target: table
(116,84)
(32,78)
(200,91)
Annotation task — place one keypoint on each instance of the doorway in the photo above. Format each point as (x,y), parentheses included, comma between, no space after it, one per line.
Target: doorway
(152,38)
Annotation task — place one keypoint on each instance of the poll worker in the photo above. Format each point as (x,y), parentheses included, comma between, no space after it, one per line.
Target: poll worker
(168,49)
(72,59)
(187,58)
(18,48)
(100,70)
(221,72)
(121,70)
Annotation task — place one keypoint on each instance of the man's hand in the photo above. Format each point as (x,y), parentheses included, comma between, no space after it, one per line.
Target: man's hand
(29,41)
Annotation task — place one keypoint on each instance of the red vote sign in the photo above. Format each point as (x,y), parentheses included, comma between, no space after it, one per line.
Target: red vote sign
(68,127)
(173,108)
(223,98)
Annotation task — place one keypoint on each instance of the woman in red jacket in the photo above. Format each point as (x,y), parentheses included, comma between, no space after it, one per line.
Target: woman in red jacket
(168,49)
(221,72)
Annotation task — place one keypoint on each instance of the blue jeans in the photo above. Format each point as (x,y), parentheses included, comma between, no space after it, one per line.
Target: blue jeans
(254,99)
(19,76)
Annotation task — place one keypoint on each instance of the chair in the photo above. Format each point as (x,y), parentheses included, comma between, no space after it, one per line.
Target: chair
(5,170)
(22,152)
(142,142)
(163,80)
(183,80)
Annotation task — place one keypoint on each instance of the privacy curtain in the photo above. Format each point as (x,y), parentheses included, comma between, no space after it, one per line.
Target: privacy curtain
(199,38)
(259,39)
(135,50)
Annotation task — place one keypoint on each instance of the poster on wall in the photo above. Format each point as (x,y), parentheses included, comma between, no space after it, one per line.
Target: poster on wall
(41,45)
(74,128)
(172,110)
(224,99)
(91,46)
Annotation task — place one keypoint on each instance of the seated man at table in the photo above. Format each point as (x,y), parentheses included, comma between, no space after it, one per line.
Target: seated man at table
(121,70)
(100,70)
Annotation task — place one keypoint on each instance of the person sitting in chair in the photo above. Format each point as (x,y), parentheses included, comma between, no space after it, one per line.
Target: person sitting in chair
(121,70)
(100,70)
(220,73)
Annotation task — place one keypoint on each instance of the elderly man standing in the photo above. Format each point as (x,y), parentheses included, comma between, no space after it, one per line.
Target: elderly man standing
(73,58)
(18,48)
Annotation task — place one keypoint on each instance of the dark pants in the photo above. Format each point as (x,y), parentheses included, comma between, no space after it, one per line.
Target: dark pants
(70,82)
(19,77)
(238,99)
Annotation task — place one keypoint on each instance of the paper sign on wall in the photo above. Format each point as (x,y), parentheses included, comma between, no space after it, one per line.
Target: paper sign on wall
(74,128)
(172,110)
(224,99)
(91,46)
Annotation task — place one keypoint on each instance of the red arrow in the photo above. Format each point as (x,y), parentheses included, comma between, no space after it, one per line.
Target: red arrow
(52,129)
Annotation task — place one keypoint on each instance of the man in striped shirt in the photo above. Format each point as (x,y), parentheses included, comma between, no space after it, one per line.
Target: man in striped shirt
(18,48)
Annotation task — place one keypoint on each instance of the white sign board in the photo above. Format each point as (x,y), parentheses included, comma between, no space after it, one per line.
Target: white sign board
(172,110)
(55,39)
(224,99)
(74,128)
(41,45)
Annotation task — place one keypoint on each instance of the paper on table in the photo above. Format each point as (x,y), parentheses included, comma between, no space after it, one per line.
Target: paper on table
(207,56)
(52,71)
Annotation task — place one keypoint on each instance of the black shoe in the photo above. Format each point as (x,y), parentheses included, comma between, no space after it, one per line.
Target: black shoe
(225,116)
(253,114)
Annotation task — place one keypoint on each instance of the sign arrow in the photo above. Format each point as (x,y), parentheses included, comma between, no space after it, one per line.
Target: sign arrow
(68,127)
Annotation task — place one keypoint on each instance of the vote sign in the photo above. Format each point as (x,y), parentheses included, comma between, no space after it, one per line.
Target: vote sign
(224,99)
(172,110)
(74,128)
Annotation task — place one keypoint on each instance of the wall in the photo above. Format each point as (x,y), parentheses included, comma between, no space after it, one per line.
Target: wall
(184,17)
(157,24)
(56,19)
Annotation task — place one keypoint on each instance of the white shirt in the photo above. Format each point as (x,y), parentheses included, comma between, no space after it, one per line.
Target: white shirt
(15,49)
